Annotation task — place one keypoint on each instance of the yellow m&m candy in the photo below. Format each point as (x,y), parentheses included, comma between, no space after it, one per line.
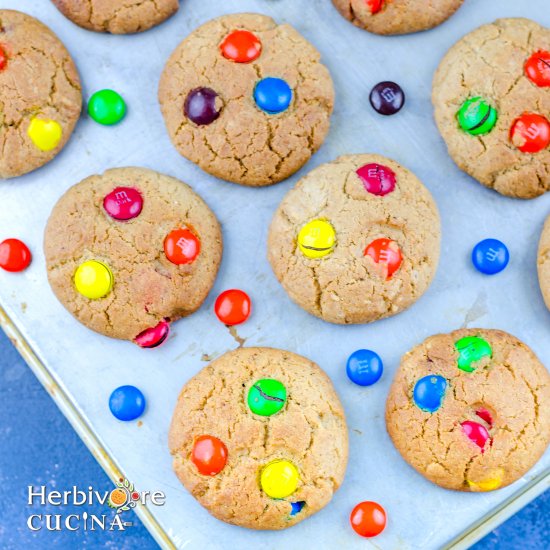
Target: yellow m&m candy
(45,133)
(316,239)
(93,279)
(489,484)
(279,479)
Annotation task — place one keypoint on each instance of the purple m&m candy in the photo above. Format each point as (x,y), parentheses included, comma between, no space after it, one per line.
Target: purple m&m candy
(123,203)
(154,336)
(387,98)
(377,179)
(202,106)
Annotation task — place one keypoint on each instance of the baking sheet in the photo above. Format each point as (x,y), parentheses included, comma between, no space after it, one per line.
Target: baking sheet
(86,366)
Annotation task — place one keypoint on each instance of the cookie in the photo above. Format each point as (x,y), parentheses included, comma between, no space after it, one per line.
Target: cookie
(259,438)
(470,410)
(246,99)
(129,251)
(356,240)
(543,262)
(397,16)
(40,95)
(117,16)
(491,98)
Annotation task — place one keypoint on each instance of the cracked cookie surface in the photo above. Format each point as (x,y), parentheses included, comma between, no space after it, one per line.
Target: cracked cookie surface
(245,144)
(490,63)
(38,80)
(117,16)
(397,16)
(309,431)
(147,288)
(543,262)
(507,393)
(347,285)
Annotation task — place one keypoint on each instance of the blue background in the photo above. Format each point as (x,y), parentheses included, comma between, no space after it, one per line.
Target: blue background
(38,446)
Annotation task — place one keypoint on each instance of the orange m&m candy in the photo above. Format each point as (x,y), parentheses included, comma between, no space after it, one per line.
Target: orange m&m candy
(385,252)
(368,519)
(14,255)
(232,307)
(241,46)
(537,68)
(209,455)
(530,133)
(374,5)
(182,246)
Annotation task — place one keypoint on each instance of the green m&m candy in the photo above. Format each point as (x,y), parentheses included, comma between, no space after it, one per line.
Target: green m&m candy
(470,350)
(266,397)
(106,107)
(476,116)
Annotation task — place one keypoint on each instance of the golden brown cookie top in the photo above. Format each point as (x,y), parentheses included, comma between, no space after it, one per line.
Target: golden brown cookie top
(543,262)
(246,99)
(397,16)
(40,96)
(492,100)
(156,237)
(117,16)
(356,240)
(298,421)
(470,410)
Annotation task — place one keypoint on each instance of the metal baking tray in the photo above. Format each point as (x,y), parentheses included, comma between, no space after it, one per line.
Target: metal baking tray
(80,368)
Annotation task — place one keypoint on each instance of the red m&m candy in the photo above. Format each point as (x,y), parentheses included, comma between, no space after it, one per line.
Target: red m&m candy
(209,455)
(182,246)
(123,203)
(14,255)
(476,433)
(241,46)
(368,519)
(232,307)
(377,179)
(154,336)
(374,5)
(3,59)
(537,68)
(530,133)
(385,252)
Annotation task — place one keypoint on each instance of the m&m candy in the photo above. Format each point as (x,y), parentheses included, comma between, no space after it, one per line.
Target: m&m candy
(273,95)
(154,336)
(45,133)
(476,433)
(387,98)
(107,107)
(429,391)
(368,519)
(494,481)
(182,246)
(14,255)
(377,179)
(241,46)
(202,106)
(476,116)
(209,455)
(123,203)
(233,307)
(364,367)
(279,479)
(374,5)
(93,279)
(127,403)
(530,133)
(296,507)
(385,252)
(537,68)
(470,350)
(266,397)
(490,256)
(3,59)
(316,239)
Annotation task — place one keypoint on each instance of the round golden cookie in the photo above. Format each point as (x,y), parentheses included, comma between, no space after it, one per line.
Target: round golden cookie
(470,410)
(496,80)
(356,240)
(40,96)
(397,16)
(117,16)
(543,262)
(217,84)
(274,412)
(154,247)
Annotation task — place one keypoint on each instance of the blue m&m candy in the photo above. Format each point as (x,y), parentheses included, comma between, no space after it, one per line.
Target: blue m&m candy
(364,367)
(127,403)
(273,95)
(429,392)
(490,256)
(296,507)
